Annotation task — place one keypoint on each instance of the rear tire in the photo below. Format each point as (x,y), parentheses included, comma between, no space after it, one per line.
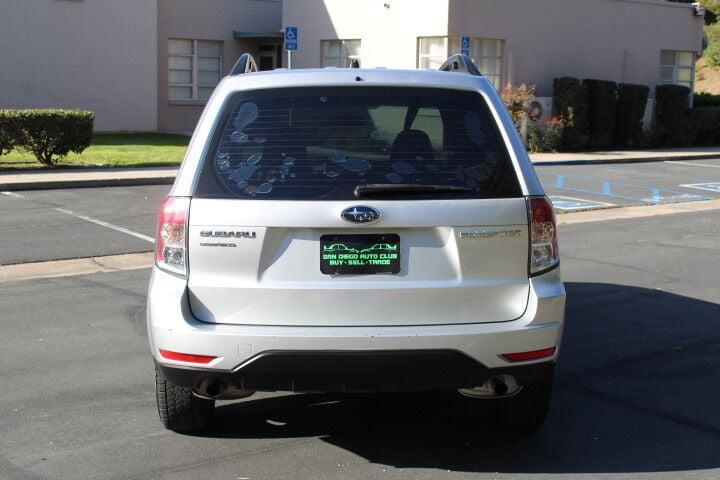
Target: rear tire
(525,411)
(179,409)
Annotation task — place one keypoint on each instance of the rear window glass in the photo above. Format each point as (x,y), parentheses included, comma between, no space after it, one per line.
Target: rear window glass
(320,144)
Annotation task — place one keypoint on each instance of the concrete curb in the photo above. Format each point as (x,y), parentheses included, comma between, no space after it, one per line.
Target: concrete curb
(86,178)
(86,183)
(615,160)
(77,266)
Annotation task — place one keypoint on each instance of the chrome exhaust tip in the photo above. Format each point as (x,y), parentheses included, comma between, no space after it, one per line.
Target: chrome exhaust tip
(500,386)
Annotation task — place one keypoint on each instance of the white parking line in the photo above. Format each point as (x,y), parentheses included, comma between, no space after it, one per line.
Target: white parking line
(90,219)
(710,186)
(106,224)
(12,194)
(691,163)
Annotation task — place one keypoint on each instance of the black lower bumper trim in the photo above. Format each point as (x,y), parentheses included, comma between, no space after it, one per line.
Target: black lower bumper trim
(354,372)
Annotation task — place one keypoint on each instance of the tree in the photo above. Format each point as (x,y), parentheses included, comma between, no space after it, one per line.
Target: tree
(712,11)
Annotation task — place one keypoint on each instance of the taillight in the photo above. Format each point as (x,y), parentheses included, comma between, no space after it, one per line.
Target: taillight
(527,356)
(187,357)
(543,236)
(170,242)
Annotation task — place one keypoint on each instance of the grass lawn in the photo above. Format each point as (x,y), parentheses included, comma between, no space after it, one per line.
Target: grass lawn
(113,150)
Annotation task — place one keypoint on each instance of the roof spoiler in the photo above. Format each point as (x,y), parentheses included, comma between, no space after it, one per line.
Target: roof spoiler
(461,64)
(245,64)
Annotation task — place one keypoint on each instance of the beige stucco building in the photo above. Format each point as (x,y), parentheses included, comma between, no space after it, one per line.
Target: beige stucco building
(93,54)
(513,41)
(151,64)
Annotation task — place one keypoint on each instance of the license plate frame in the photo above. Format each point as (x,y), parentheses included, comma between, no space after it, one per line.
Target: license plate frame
(360,254)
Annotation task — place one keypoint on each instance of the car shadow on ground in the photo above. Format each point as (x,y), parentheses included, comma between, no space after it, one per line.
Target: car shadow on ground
(637,391)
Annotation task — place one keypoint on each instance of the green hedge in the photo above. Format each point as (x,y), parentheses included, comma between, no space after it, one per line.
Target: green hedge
(8,133)
(602,112)
(570,102)
(631,104)
(48,134)
(706,100)
(702,126)
(671,107)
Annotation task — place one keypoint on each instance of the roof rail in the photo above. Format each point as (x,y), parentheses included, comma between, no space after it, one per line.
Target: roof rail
(460,63)
(245,64)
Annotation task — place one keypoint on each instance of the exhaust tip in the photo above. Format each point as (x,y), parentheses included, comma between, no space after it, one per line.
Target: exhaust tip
(498,386)
(495,387)
(215,388)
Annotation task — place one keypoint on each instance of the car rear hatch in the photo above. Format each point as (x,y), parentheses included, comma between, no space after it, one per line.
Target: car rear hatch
(357,207)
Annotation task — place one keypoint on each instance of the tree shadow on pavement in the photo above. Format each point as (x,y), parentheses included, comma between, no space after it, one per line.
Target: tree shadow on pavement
(637,390)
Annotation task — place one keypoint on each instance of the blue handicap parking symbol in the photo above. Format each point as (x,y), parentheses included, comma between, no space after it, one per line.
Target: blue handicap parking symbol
(569,203)
(291,38)
(465,46)
(710,187)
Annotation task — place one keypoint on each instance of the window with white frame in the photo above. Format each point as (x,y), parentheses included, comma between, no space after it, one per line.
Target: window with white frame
(339,53)
(487,53)
(194,68)
(432,52)
(677,67)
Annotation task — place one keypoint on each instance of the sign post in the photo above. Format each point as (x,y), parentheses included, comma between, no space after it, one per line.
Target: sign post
(465,46)
(291,42)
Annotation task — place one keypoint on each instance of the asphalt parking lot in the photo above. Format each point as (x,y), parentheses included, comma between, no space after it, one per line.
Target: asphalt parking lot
(636,396)
(586,187)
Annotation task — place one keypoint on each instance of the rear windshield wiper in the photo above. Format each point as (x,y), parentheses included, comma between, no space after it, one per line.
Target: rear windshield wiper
(405,188)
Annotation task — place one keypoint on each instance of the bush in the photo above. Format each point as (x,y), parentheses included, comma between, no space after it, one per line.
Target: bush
(712,53)
(546,136)
(602,112)
(631,104)
(517,100)
(8,132)
(706,100)
(671,107)
(702,126)
(570,103)
(50,134)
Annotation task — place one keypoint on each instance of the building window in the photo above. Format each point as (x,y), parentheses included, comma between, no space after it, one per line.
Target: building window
(677,67)
(485,52)
(194,68)
(432,52)
(339,53)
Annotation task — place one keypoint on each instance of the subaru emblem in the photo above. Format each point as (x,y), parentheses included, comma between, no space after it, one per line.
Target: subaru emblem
(360,214)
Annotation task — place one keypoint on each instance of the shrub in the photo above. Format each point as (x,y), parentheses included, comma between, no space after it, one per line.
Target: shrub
(8,131)
(517,100)
(702,126)
(546,136)
(712,53)
(671,106)
(631,104)
(570,103)
(602,112)
(706,100)
(50,134)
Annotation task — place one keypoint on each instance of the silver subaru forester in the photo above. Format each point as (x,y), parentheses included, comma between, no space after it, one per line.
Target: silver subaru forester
(356,230)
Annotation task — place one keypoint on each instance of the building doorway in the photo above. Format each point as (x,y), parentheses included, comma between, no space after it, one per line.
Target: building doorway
(267,57)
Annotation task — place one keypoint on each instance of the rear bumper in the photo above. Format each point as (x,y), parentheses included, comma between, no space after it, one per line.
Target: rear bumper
(353,372)
(172,326)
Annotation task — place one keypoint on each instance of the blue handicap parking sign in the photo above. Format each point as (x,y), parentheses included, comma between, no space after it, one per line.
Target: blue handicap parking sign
(710,187)
(465,46)
(291,38)
(569,203)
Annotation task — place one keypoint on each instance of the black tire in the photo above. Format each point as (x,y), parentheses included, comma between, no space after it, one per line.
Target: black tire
(527,410)
(179,409)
